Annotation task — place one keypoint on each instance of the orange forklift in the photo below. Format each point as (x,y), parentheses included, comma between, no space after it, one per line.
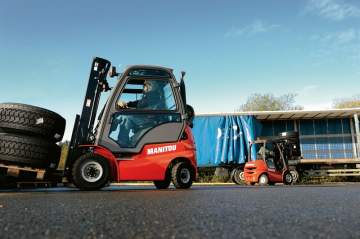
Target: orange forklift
(272,156)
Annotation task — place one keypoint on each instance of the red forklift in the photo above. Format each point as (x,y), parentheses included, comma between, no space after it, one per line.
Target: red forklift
(143,132)
(272,156)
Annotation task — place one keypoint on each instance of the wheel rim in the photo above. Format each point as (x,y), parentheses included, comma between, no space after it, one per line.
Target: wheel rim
(91,171)
(263,179)
(288,178)
(294,175)
(185,175)
(242,176)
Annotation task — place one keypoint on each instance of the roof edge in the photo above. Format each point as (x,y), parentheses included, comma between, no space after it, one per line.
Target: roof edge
(293,112)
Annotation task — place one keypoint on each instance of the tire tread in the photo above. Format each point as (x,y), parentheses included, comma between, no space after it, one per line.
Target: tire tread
(27,150)
(77,178)
(174,176)
(21,118)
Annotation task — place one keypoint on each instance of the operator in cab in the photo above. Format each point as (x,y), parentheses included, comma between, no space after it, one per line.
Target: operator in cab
(132,126)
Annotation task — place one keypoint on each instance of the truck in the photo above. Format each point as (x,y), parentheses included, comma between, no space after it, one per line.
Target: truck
(142,133)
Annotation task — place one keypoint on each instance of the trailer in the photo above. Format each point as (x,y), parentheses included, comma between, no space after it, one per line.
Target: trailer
(329,139)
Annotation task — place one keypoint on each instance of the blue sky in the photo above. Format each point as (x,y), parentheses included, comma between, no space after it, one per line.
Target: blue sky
(230,49)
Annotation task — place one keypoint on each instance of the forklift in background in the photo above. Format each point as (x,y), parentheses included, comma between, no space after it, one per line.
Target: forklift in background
(143,132)
(272,156)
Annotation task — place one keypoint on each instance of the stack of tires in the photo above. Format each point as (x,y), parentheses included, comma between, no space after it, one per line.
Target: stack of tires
(29,136)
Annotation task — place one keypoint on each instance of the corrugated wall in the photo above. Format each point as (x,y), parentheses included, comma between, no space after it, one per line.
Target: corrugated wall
(319,139)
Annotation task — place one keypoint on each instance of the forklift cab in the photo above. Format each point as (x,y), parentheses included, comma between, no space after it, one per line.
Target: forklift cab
(145,107)
(270,153)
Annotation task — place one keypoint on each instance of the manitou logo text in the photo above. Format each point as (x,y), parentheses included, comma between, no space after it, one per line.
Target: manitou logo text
(163,149)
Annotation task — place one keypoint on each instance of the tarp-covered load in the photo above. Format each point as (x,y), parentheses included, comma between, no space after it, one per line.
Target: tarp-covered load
(223,139)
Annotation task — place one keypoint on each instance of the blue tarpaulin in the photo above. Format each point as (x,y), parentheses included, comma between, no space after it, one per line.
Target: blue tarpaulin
(223,139)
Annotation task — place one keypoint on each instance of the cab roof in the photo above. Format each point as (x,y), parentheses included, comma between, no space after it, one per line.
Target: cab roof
(155,67)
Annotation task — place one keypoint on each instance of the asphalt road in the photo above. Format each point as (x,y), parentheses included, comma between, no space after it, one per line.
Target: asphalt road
(331,211)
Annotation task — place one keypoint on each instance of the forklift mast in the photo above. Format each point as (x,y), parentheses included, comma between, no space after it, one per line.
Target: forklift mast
(83,131)
(288,142)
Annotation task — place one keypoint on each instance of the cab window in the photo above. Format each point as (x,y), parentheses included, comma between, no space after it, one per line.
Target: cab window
(128,129)
(149,94)
(130,123)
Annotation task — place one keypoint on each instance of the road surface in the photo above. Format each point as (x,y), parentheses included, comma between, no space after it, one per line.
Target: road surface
(331,211)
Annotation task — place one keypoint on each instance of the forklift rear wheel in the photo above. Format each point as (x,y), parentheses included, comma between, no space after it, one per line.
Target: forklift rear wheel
(263,180)
(182,175)
(288,179)
(90,172)
(295,175)
(164,184)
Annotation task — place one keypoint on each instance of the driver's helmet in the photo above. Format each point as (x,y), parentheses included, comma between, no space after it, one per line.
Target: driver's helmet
(153,85)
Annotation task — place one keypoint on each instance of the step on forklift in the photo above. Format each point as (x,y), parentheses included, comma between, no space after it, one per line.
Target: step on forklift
(272,157)
(143,132)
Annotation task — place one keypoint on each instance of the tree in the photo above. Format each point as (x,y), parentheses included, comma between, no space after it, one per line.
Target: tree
(351,102)
(269,102)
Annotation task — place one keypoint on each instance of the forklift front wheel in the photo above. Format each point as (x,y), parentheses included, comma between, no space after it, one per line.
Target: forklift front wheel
(90,172)
(263,180)
(182,175)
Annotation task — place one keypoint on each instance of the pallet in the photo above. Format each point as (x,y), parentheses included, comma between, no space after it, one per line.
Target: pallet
(14,171)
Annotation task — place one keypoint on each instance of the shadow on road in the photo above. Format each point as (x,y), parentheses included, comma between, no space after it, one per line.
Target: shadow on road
(149,188)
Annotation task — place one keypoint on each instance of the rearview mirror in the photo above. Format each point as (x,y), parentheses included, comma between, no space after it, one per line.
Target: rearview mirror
(112,72)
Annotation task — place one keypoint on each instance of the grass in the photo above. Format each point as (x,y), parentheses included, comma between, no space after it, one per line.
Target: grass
(322,180)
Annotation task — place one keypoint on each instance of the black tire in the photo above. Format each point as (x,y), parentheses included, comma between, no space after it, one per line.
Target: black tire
(237,176)
(54,161)
(90,172)
(232,175)
(27,151)
(164,184)
(32,121)
(287,178)
(182,175)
